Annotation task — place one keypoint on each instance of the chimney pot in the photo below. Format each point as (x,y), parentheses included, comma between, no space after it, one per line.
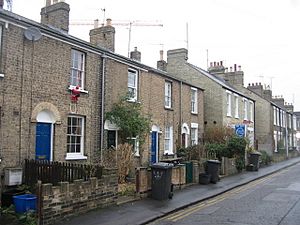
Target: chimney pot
(214,63)
(108,22)
(234,67)
(217,63)
(48,2)
(96,23)
(231,69)
(221,63)
(240,68)
(1,4)
(211,64)
(161,53)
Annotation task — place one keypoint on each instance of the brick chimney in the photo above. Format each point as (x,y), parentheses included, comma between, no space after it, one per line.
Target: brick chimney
(103,36)
(217,69)
(177,55)
(235,77)
(56,14)
(161,64)
(289,107)
(278,100)
(135,55)
(256,88)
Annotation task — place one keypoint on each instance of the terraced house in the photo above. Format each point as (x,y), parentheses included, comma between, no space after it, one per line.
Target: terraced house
(224,105)
(55,90)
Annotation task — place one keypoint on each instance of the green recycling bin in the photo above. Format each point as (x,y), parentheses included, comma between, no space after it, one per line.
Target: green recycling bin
(188,172)
(161,184)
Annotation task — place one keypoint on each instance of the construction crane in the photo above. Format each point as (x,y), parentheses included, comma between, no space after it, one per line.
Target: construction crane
(9,4)
(127,23)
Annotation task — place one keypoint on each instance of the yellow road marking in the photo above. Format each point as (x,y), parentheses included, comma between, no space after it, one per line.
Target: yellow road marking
(190,210)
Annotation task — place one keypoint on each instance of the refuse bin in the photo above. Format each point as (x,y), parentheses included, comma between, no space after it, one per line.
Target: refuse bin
(213,167)
(7,196)
(24,203)
(161,184)
(188,172)
(254,160)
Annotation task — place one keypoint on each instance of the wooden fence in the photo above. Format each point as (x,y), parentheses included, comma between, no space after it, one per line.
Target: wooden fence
(54,172)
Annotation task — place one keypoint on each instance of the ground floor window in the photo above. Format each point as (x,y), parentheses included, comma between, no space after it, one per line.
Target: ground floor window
(111,139)
(75,137)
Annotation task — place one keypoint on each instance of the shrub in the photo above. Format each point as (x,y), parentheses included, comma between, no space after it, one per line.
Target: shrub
(266,159)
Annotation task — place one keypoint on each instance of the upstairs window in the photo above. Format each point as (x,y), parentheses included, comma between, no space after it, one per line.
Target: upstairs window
(77,69)
(194,100)
(132,84)
(251,111)
(168,95)
(245,109)
(228,103)
(236,106)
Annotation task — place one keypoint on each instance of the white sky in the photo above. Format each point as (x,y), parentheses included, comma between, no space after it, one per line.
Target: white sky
(260,35)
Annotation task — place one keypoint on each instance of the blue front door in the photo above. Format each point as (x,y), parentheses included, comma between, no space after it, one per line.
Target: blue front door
(154,146)
(43,141)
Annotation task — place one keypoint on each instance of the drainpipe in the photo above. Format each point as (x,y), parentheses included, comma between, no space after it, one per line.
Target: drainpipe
(286,140)
(102,106)
(180,112)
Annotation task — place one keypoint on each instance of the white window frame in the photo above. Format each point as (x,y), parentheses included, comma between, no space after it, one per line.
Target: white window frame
(168,145)
(194,100)
(274,115)
(194,134)
(76,155)
(133,87)
(168,94)
(77,66)
(236,100)
(251,111)
(245,109)
(228,103)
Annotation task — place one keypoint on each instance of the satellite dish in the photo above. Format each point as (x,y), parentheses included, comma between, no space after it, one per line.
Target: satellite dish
(32,34)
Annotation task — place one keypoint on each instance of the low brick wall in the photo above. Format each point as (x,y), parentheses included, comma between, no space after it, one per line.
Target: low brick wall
(228,166)
(69,199)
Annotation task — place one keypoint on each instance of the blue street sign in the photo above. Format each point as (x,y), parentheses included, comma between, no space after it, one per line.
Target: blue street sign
(240,130)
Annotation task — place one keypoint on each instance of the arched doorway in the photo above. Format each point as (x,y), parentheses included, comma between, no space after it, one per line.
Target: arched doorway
(154,144)
(185,135)
(44,135)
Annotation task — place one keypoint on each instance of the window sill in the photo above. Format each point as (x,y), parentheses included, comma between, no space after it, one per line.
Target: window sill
(76,157)
(134,101)
(194,113)
(169,108)
(1,75)
(81,90)
(229,115)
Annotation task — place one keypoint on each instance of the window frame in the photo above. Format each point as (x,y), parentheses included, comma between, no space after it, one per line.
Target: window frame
(134,87)
(194,101)
(168,95)
(246,109)
(251,111)
(80,68)
(194,139)
(236,106)
(228,104)
(168,139)
(76,155)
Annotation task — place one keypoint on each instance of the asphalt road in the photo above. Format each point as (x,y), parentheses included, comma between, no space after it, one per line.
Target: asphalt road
(272,200)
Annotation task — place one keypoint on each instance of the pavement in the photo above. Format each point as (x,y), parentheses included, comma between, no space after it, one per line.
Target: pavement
(146,210)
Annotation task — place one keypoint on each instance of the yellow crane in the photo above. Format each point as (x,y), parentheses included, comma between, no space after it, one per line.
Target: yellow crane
(127,23)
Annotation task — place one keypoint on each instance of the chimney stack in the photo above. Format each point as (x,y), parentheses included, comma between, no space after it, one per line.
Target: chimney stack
(56,14)
(103,36)
(136,55)
(161,64)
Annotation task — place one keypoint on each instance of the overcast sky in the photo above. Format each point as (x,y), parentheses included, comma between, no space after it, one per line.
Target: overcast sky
(260,35)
